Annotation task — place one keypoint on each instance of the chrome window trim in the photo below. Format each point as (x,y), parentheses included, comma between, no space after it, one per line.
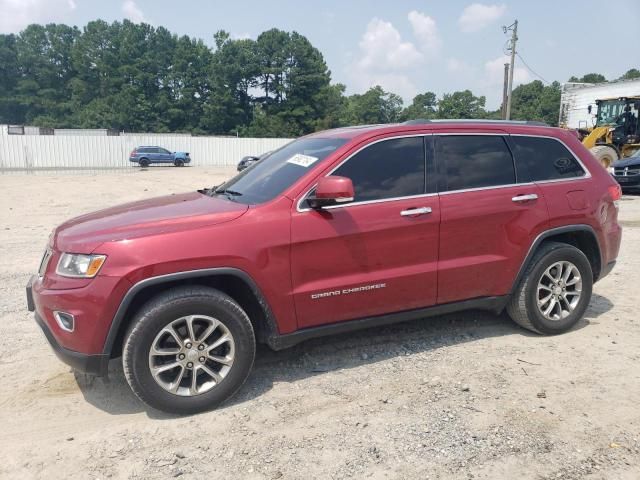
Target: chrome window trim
(587,174)
(493,187)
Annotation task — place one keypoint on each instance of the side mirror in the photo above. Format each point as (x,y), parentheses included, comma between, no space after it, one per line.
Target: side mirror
(332,190)
(589,109)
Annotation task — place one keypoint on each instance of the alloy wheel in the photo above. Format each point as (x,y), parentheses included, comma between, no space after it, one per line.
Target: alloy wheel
(191,355)
(559,290)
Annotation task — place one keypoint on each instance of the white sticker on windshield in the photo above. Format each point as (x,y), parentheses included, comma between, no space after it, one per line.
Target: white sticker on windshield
(302,160)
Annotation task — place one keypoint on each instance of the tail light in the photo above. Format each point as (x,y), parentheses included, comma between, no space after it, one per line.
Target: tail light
(615,192)
(133,153)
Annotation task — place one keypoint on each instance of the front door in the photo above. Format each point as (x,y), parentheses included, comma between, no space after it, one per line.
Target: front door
(377,254)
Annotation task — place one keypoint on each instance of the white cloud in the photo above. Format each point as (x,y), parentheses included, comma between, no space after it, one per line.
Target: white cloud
(425,29)
(384,60)
(494,72)
(477,16)
(15,15)
(132,12)
(457,66)
(382,48)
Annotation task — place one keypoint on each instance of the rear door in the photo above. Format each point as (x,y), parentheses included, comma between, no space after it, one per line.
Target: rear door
(377,254)
(488,219)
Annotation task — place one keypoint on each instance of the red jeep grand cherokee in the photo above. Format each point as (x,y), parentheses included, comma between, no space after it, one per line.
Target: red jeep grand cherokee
(336,231)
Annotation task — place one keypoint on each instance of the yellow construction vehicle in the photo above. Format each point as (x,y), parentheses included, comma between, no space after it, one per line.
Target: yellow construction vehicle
(616,133)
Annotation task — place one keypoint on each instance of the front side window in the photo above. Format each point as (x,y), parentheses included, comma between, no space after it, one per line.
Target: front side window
(474,161)
(387,169)
(539,159)
(279,170)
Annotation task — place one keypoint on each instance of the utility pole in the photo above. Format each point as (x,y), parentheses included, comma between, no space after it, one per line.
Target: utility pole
(505,85)
(512,47)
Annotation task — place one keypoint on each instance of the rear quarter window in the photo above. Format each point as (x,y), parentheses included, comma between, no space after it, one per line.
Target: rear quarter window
(539,159)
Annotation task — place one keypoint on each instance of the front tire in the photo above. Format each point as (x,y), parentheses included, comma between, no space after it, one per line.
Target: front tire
(605,155)
(555,290)
(188,350)
(179,162)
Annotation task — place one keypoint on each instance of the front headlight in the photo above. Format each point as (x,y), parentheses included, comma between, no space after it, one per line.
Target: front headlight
(77,265)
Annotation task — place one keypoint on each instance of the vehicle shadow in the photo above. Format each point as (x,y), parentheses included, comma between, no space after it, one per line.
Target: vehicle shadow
(334,353)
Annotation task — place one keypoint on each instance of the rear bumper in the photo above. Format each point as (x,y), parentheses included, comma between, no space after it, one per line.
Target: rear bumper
(92,364)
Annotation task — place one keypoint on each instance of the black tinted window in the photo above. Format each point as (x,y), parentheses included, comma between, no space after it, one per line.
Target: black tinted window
(274,173)
(540,159)
(470,161)
(388,169)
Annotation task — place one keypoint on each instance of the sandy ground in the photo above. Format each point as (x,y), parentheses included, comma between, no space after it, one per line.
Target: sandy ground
(463,396)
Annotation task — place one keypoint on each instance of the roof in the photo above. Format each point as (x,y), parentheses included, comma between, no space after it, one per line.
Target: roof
(426,125)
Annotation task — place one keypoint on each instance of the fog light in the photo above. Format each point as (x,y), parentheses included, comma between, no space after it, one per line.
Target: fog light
(65,320)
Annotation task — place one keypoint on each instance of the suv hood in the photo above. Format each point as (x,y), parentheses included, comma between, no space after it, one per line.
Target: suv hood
(154,216)
(627,162)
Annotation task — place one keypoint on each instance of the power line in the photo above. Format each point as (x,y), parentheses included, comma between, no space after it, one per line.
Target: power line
(531,70)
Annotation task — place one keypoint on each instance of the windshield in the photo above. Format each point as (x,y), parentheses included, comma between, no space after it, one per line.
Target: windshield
(270,176)
(609,112)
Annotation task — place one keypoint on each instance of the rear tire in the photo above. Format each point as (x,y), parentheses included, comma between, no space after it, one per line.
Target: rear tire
(144,162)
(605,155)
(527,306)
(171,329)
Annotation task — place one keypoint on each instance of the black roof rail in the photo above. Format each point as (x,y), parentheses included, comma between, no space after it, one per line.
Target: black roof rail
(421,121)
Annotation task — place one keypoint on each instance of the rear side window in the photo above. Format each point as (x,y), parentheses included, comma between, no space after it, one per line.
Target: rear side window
(474,161)
(387,169)
(539,159)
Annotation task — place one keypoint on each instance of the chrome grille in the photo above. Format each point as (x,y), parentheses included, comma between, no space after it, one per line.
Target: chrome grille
(626,171)
(44,262)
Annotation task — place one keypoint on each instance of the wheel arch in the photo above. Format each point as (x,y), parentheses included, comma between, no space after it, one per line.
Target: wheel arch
(583,237)
(234,282)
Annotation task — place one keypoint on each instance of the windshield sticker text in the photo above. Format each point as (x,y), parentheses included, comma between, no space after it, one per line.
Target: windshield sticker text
(302,160)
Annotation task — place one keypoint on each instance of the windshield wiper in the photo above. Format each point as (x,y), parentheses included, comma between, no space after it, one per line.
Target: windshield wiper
(226,191)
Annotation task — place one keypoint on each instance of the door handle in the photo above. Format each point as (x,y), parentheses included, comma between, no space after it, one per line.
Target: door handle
(525,198)
(412,212)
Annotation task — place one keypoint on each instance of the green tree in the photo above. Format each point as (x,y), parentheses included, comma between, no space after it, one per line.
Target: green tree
(589,78)
(424,105)
(462,104)
(534,101)
(631,74)
(44,72)
(372,107)
(10,110)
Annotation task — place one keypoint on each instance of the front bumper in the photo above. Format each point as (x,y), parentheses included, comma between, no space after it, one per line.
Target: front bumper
(92,306)
(92,364)
(628,181)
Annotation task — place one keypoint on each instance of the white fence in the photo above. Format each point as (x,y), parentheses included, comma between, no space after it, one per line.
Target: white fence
(31,152)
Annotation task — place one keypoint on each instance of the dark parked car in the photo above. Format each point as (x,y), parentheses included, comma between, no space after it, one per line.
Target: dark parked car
(626,171)
(336,231)
(249,160)
(146,155)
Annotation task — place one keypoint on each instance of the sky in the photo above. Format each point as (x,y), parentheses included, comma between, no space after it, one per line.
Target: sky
(405,46)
